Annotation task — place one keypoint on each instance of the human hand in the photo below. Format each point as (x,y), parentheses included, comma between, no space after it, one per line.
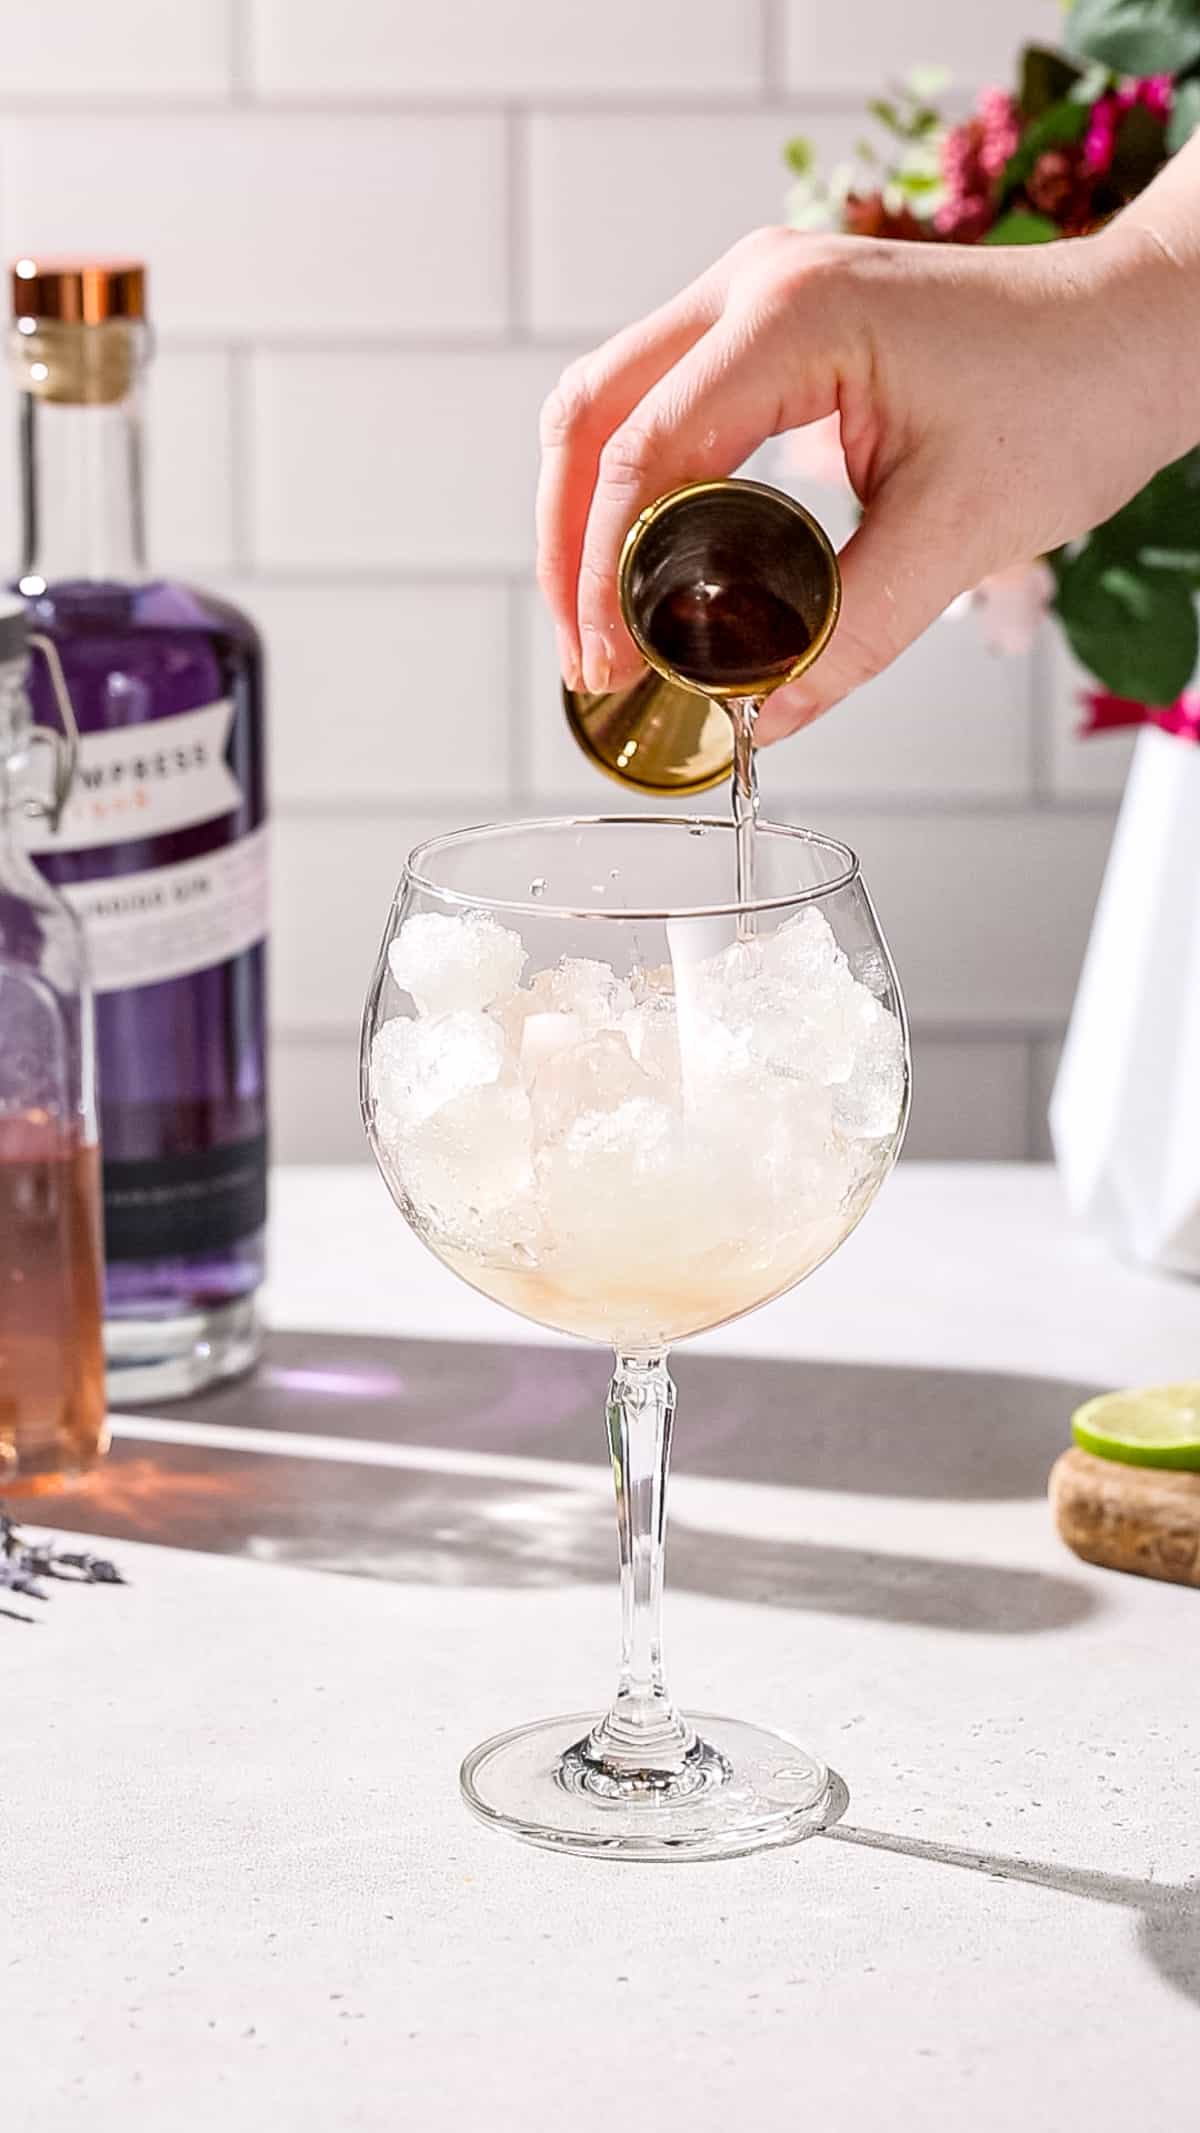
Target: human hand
(994,402)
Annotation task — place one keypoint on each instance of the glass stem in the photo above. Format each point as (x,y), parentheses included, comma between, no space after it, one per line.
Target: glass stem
(643,1733)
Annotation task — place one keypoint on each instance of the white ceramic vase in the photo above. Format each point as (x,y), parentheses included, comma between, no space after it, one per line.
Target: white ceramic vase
(1125,1115)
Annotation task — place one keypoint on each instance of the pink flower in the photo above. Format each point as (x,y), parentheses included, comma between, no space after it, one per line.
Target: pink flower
(972,157)
(957,158)
(1100,140)
(964,221)
(814,453)
(1158,93)
(999,131)
(1011,604)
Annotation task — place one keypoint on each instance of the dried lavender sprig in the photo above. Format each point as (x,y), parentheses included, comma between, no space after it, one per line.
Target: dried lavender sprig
(22,1559)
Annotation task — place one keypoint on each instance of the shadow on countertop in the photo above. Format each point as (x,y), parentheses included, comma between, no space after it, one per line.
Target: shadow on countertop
(881,1430)
(901,1432)
(1168,1913)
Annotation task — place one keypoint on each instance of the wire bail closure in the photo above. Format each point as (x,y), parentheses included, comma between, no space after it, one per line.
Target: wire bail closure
(63,746)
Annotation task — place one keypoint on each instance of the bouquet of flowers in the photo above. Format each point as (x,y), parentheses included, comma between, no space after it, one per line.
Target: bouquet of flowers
(1080,135)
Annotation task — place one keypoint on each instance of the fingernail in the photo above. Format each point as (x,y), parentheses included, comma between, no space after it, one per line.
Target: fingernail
(597,662)
(568,657)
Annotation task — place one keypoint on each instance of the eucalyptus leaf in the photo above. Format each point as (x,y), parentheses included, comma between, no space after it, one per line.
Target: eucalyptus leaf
(1022,227)
(926,83)
(1092,84)
(1136,36)
(1185,115)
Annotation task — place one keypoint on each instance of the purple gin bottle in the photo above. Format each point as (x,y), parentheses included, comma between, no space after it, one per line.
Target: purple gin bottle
(161,849)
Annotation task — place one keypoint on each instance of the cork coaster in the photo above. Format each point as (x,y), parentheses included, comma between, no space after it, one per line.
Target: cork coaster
(1140,1518)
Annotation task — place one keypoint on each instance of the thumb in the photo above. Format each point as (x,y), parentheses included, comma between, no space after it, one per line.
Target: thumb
(900,570)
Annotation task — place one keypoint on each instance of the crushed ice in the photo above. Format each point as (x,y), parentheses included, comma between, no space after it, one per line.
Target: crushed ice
(713,1107)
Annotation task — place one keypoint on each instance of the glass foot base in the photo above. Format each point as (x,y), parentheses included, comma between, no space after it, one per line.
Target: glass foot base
(745,1790)
(153,1359)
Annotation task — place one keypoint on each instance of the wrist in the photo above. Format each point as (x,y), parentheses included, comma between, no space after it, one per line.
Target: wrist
(1142,285)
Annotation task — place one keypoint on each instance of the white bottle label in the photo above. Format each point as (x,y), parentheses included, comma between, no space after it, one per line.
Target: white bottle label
(144,781)
(142,929)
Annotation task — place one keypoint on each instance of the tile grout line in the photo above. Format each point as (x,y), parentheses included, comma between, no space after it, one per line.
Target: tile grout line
(519,737)
(516,158)
(369,341)
(878,807)
(1031,1121)
(240,68)
(238,371)
(243,97)
(1041,784)
(773,35)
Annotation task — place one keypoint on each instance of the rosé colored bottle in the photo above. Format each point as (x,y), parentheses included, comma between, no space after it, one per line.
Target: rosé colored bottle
(52,1415)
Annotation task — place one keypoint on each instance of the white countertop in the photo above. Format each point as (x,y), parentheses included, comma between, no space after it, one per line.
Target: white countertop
(241,1891)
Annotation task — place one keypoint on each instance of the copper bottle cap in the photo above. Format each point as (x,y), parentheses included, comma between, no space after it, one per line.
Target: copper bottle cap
(667,732)
(78,292)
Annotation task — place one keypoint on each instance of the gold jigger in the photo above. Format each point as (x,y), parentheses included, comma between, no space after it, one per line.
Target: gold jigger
(728,589)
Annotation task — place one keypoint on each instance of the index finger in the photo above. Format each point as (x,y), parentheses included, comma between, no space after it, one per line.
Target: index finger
(592,398)
(702,420)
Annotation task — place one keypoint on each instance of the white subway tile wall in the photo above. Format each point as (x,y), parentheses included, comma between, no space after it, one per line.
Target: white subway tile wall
(483,50)
(833,48)
(623,210)
(394,459)
(376,234)
(273,224)
(85,53)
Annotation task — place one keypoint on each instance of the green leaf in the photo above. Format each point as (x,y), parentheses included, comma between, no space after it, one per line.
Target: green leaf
(1139,151)
(881,108)
(1136,36)
(1022,227)
(799,155)
(1163,515)
(917,183)
(1046,77)
(1185,115)
(1063,122)
(1135,630)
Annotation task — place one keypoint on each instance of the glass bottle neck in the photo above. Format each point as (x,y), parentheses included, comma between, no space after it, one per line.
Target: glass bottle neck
(81,491)
(81,452)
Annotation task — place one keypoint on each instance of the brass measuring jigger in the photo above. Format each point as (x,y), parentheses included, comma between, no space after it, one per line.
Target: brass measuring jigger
(728,589)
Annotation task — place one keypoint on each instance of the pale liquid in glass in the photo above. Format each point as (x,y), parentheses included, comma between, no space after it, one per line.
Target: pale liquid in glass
(634,1304)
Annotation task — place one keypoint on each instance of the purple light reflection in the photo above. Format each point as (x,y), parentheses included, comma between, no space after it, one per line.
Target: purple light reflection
(338,1384)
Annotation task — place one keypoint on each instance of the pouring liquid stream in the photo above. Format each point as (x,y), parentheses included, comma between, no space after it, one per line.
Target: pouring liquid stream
(743,712)
(712,633)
